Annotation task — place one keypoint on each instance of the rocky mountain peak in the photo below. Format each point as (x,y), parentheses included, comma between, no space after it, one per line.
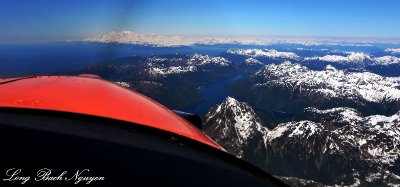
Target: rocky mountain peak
(236,127)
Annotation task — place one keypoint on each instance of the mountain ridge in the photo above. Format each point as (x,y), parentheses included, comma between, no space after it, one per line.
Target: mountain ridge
(335,146)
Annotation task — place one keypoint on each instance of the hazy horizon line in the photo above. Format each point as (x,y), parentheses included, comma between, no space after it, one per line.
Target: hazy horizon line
(254,37)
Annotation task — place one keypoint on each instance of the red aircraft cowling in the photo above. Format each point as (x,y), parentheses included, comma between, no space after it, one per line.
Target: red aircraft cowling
(93,96)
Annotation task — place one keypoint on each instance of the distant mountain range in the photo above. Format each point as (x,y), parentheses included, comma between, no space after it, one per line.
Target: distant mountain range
(341,60)
(129,37)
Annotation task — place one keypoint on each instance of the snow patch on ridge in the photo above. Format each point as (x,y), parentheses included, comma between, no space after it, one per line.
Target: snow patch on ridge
(205,59)
(352,57)
(270,53)
(386,60)
(393,50)
(252,61)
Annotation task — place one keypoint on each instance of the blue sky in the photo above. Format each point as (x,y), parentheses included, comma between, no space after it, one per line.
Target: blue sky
(58,20)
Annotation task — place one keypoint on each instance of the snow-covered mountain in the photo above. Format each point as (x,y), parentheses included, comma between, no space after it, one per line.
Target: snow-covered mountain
(252,61)
(386,60)
(354,60)
(393,50)
(237,128)
(334,146)
(205,59)
(157,66)
(385,65)
(171,70)
(330,84)
(280,92)
(129,37)
(358,58)
(388,65)
(364,149)
(174,80)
